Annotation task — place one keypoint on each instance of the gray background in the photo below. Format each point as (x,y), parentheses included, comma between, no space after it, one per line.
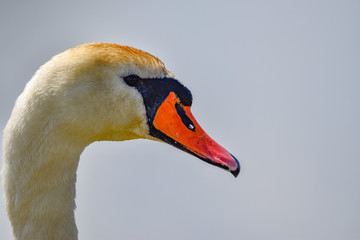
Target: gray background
(275,82)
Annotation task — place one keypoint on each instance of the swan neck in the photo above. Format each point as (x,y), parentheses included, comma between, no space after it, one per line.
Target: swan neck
(41,202)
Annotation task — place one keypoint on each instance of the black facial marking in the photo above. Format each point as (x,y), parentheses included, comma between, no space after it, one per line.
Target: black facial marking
(155,90)
(184,118)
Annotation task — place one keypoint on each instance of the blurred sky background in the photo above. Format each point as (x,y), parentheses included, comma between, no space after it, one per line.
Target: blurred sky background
(277,83)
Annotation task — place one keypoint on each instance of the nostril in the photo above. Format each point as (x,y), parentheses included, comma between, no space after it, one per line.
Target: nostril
(184,118)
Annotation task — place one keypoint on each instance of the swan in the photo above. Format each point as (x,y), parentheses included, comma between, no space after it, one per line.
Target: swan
(92,92)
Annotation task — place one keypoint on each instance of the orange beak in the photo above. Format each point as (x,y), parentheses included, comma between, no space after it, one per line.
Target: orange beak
(182,130)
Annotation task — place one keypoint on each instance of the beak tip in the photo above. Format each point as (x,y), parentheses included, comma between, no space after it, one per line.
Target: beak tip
(237,170)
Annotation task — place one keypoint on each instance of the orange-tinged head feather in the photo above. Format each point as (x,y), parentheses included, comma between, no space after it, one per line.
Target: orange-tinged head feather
(112,53)
(97,55)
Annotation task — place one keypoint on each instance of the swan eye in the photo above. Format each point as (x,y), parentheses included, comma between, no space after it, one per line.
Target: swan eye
(132,80)
(184,118)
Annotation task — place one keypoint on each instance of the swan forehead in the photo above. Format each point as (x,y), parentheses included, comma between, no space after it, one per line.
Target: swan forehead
(119,59)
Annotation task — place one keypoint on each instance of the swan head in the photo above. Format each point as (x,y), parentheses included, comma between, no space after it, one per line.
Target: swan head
(100,91)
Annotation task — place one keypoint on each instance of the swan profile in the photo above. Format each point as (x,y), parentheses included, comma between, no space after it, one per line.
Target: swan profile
(93,92)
